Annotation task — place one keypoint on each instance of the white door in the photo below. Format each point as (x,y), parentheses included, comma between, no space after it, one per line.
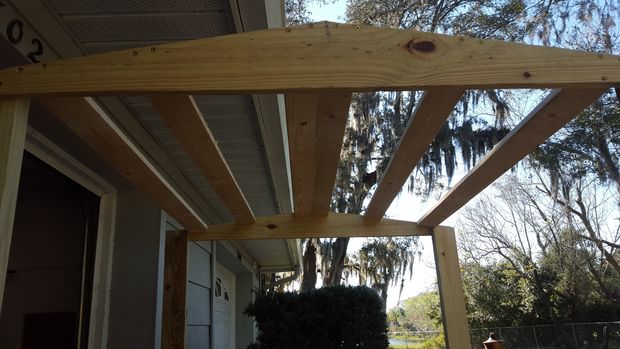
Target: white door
(224,309)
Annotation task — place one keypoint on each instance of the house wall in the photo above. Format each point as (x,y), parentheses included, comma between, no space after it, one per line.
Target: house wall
(199,302)
(137,273)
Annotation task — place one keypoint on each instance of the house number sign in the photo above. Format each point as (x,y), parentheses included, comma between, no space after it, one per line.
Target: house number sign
(19,33)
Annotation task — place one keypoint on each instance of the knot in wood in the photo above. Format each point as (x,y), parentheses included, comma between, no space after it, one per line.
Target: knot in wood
(421,46)
(271,226)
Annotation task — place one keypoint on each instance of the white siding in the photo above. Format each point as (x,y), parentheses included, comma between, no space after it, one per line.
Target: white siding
(199,280)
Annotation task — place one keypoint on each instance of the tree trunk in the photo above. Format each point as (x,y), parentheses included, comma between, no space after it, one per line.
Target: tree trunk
(382,291)
(608,162)
(339,252)
(309,264)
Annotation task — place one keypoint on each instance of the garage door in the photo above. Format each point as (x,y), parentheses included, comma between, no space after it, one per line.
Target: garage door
(224,309)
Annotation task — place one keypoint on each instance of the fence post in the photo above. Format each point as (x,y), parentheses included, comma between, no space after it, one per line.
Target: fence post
(574,334)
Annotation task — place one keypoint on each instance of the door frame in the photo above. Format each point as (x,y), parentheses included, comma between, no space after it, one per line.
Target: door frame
(54,156)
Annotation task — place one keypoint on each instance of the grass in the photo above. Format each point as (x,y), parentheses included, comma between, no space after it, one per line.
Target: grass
(413,342)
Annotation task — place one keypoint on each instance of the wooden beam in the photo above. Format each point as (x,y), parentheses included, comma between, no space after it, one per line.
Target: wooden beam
(13,125)
(548,117)
(175,285)
(430,115)
(85,118)
(185,120)
(321,56)
(454,313)
(316,124)
(292,227)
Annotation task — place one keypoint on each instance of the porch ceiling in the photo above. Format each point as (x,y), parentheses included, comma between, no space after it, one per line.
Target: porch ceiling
(317,67)
(98,26)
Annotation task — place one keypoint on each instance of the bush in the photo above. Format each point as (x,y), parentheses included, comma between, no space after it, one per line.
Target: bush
(330,317)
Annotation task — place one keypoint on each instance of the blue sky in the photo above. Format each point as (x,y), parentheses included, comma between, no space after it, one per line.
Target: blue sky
(333,12)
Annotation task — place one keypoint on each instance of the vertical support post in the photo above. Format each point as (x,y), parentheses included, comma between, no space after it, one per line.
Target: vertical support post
(455,326)
(13,125)
(175,285)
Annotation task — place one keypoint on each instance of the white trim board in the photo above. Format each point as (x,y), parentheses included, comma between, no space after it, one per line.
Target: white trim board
(44,149)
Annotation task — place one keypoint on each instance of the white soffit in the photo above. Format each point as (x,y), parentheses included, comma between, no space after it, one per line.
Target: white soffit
(106,25)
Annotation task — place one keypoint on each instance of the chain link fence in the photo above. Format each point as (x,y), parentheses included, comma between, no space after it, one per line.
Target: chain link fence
(595,335)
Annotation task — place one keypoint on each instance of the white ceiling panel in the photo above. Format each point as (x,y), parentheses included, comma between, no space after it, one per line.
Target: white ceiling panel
(98,26)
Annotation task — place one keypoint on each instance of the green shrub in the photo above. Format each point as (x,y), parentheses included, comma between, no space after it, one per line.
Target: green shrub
(436,342)
(329,317)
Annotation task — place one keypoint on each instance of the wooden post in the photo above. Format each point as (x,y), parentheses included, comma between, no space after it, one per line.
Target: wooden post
(13,124)
(454,314)
(175,285)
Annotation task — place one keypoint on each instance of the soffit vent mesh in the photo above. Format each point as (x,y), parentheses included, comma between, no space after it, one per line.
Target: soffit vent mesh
(233,123)
(137,6)
(149,27)
(109,25)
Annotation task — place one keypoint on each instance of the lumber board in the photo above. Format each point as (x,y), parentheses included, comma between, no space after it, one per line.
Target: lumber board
(301,121)
(321,56)
(91,123)
(316,124)
(175,286)
(295,227)
(13,125)
(187,123)
(429,116)
(558,108)
(452,296)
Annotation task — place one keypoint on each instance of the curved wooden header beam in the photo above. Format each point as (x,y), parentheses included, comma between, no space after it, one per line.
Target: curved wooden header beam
(321,56)
(291,227)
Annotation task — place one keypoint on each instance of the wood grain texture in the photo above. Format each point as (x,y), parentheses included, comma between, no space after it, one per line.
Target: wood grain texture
(452,296)
(86,119)
(332,116)
(548,117)
(13,125)
(292,227)
(175,286)
(429,116)
(187,123)
(320,56)
(316,124)
(301,121)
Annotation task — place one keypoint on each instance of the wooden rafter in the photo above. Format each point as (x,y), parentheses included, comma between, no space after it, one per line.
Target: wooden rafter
(321,56)
(185,120)
(291,227)
(84,117)
(430,114)
(316,123)
(548,117)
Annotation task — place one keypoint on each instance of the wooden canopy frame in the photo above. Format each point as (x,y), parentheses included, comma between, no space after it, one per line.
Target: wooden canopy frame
(317,67)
